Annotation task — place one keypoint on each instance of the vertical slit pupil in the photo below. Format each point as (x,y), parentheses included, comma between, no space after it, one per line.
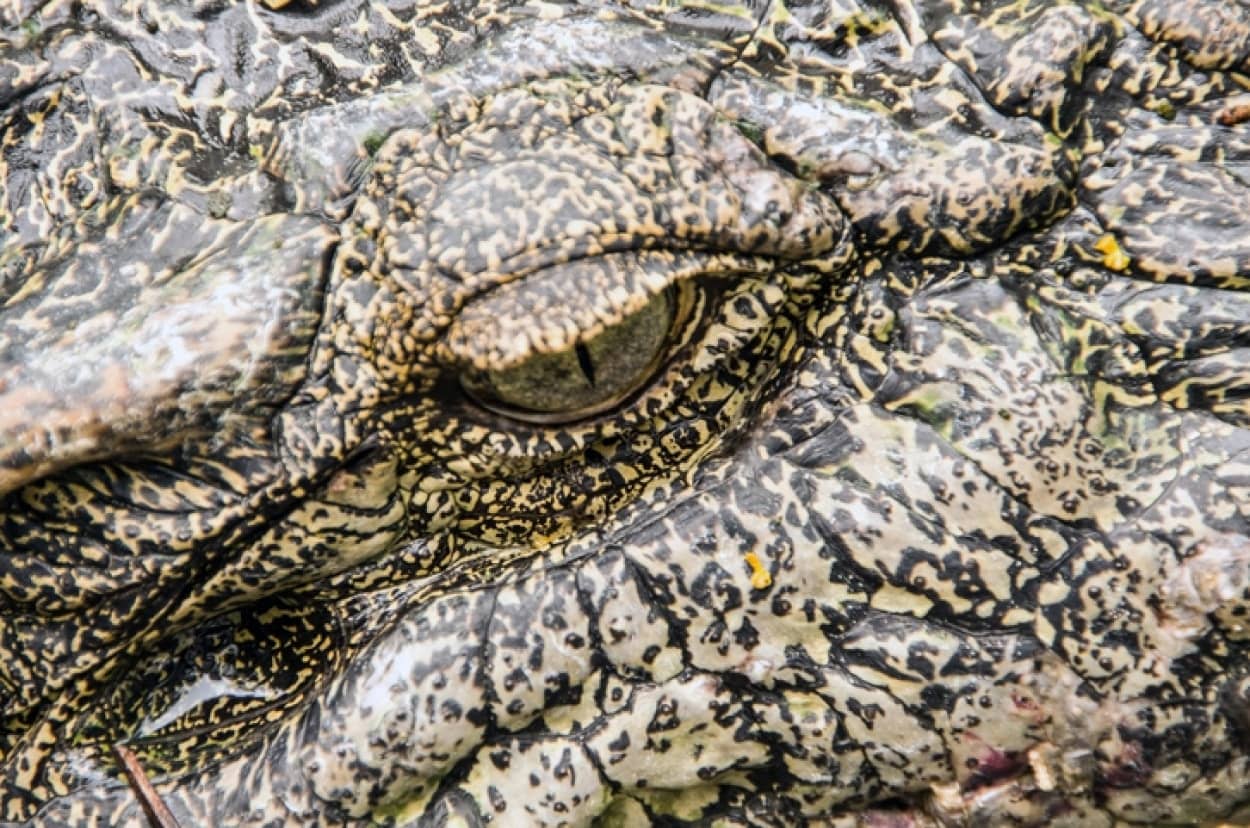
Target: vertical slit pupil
(583,360)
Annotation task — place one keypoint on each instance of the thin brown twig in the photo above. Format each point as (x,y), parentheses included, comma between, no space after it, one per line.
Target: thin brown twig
(158,812)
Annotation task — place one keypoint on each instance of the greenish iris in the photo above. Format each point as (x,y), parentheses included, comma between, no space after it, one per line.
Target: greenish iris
(589,378)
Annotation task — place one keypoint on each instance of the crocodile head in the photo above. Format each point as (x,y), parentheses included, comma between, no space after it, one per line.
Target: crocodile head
(554,414)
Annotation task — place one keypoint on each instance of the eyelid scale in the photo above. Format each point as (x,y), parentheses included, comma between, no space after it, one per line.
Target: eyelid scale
(553,310)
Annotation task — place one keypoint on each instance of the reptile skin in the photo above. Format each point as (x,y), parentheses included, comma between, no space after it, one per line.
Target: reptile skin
(434,413)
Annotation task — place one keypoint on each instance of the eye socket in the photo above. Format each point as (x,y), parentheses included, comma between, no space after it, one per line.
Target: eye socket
(593,376)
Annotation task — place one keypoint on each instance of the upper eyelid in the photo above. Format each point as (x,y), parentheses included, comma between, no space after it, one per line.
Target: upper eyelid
(552,309)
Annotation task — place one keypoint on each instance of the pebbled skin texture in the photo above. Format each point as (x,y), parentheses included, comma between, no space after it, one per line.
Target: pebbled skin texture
(932,510)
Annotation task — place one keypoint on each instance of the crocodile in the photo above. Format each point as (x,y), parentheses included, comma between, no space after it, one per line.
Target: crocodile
(677,413)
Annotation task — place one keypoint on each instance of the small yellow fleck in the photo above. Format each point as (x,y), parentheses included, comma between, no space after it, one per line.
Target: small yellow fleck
(760,579)
(1113,255)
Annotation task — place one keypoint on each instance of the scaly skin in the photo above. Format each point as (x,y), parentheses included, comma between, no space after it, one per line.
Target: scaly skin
(348,477)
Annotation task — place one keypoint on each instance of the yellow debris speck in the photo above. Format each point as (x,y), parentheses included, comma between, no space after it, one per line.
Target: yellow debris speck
(760,579)
(1113,256)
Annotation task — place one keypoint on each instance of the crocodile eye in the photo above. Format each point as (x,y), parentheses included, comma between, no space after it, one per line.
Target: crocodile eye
(593,376)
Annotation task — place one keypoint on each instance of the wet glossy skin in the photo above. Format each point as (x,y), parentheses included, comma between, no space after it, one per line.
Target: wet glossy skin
(330,485)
